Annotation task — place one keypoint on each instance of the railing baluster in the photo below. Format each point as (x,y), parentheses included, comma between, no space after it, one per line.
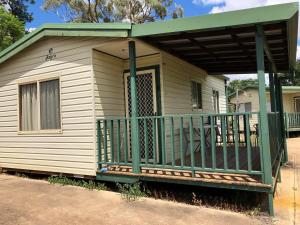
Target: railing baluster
(213,141)
(118,141)
(163,143)
(172,140)
(111,138)
(105,141)
(146,138)
(181,142)
(99,142)
(224,134)
(236,142)
(154,144)
(202,141)
(125,141)
(248,143)
(192,145)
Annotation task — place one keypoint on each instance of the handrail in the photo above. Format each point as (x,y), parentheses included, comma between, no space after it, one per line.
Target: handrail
(223,142)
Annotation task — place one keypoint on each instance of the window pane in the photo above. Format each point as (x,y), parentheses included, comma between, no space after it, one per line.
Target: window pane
(248,107)
(216,101)
(242,108)
(297,104)
(50,104)
(28,107)
(194,95)
(199,92)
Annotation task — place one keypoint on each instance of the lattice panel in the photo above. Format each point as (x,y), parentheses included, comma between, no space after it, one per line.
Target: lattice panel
(145,106)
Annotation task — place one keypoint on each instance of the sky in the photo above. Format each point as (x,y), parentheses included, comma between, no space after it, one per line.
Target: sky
(191,8)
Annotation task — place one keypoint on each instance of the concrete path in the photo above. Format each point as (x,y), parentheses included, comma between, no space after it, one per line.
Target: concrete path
(287,198)
(26,202)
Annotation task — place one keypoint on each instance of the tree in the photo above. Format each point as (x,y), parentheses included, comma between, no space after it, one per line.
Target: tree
(96,11)
(11,29)
(295,80)
(19,8)
(240,84)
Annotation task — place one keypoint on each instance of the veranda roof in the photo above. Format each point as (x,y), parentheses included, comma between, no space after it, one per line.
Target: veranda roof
(221,43)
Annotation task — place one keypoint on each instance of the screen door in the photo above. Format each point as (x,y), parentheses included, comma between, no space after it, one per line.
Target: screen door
(146,106)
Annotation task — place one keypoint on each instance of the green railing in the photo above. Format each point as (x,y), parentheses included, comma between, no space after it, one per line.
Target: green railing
(203,142)
(276,140)
(292,121)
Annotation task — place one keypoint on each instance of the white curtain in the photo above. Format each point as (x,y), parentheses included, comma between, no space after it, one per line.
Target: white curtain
(50,105)
(29,107)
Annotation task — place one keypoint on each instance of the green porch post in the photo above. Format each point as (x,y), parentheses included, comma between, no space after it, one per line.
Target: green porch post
(134,111)
(226,95)
(263,106)
(264,127)
(272,93)
(281,114)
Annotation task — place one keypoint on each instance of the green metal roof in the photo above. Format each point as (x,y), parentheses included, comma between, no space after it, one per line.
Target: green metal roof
(280,23)
(69,29)
(265,14)
(285,89)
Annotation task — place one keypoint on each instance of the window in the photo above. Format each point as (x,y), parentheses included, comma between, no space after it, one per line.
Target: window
(297,104)
(196,95)
(216,105)
(40,106)
(245,107)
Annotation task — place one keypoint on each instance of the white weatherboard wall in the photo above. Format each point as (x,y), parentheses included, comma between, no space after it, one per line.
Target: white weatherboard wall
(73,150)
(177,95)
(175,76)
(176,87)
(109,89)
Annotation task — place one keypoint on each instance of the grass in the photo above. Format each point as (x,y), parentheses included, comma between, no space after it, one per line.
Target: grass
(233,200)
(91,185)
(132,192)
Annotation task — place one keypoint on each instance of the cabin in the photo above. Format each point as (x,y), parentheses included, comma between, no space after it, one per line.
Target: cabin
(246,100)
(127,102)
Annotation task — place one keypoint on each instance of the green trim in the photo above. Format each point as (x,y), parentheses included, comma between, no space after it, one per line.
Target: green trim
(266,14)
(69,29)
(117,178)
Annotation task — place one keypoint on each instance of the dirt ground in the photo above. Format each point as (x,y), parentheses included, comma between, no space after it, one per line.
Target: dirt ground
(27,202)
(287,198)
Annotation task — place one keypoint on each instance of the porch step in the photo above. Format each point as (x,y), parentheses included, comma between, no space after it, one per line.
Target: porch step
(116,178)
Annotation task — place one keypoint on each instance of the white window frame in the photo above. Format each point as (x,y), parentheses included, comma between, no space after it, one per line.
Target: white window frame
(198,107)
(38,81)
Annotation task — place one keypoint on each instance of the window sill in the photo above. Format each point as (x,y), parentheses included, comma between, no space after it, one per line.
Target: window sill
(41,132)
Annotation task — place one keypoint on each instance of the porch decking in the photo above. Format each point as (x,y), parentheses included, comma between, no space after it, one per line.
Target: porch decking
(236,178)
(249,182)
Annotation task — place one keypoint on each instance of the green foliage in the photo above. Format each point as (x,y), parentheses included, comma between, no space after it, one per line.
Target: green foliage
(11,29)
(240,84)
(96,11)
(74,182)
(132,192)
(295,81)
(19,8)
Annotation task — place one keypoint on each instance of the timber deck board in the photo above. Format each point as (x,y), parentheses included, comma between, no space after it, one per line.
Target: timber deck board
(216,178)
